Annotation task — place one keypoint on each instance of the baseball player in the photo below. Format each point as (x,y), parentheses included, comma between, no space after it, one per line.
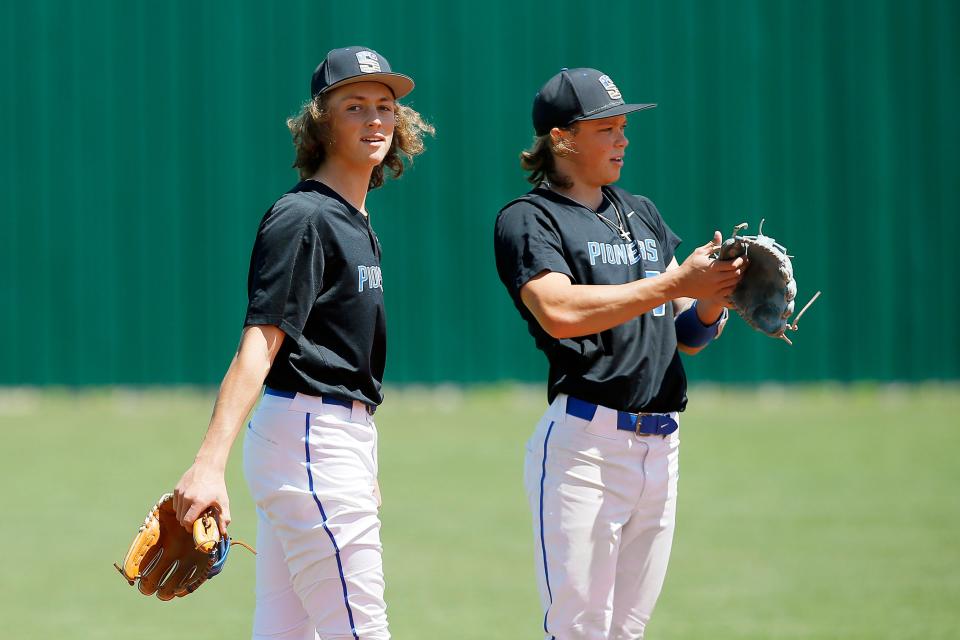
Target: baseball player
(592,270)
(315,334)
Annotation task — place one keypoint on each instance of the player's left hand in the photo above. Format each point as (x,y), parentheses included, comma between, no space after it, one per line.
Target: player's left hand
(717,303)
(765,299)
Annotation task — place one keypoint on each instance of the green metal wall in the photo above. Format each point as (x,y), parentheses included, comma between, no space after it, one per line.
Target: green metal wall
(141,143)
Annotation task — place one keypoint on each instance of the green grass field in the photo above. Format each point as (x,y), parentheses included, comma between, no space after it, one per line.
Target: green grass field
(804,513)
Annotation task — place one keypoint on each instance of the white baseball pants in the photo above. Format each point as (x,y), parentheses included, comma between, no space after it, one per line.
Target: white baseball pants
(311,468)
(603,503)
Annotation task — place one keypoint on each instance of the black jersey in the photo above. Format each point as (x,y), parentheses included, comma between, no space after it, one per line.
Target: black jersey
(634,366)
(315,274)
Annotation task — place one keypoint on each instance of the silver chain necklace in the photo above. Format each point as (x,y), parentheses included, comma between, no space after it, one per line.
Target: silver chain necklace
(619,228)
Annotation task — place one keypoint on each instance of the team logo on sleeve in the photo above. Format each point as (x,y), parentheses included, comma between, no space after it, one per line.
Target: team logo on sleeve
(369,63)
(369,278)
(611,88)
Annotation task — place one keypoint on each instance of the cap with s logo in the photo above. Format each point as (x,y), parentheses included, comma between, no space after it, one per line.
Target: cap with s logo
(578,94)
(357,64)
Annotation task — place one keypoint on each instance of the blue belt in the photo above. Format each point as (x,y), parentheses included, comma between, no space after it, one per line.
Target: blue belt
(644,424)
(347,404)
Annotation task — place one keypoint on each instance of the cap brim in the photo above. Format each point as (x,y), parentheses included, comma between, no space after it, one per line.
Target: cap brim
(617,110)
(400,84)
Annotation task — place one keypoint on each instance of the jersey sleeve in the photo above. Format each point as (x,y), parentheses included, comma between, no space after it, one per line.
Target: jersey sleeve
(286,271)
(526,243)
(668,239)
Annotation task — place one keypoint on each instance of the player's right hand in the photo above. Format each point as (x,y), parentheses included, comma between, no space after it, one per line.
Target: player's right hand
(702,276)
(201,488)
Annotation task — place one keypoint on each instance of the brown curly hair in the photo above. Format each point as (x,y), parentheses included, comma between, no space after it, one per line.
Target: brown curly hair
(312,133)
(540,159)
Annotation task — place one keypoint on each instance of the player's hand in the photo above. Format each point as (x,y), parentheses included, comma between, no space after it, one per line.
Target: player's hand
(704,277)
(724,302)
(201,488)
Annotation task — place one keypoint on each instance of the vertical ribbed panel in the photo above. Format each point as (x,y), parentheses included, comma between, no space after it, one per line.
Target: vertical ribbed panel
(141,143)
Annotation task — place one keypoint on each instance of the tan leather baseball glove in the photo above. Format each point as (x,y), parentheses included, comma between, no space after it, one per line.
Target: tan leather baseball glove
(167,560)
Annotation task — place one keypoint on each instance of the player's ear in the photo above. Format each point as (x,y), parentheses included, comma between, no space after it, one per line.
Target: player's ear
(561,141)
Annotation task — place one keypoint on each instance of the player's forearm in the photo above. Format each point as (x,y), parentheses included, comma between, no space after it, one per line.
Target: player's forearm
(587,309)
(709,311)
(238,393)
(697,327)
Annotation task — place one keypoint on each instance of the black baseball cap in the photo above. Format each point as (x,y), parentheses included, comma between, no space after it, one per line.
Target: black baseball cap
(578,94)
(357,64)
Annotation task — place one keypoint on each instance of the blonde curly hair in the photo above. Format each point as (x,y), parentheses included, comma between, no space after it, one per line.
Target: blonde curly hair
(312,134)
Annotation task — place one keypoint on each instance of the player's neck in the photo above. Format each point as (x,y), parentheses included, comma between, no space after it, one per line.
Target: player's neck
(587,195)
(351,184)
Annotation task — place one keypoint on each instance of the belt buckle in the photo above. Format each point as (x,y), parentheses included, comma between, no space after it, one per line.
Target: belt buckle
(636,430)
